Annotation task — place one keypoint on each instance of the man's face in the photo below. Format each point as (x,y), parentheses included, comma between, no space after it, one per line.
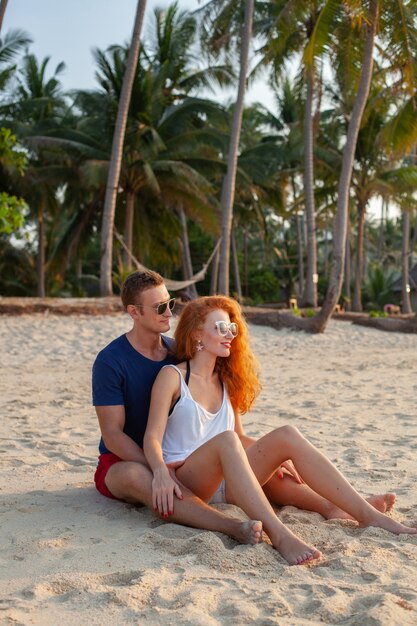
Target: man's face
(147,315)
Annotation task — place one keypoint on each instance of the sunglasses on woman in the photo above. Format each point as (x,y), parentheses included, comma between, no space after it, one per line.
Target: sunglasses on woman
(160,308)
(223,328)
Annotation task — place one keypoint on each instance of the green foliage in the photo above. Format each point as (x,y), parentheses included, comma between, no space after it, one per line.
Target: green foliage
(263,285)
(377,289)
(378,314)
(11,213)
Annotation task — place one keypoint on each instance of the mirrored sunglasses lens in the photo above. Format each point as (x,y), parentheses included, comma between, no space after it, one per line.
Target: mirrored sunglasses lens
(222,328)
(233,329)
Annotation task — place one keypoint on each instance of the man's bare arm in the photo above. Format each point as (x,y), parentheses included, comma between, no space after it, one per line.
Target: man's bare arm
(112,421)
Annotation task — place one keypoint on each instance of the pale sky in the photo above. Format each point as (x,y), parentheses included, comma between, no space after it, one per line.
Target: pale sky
(68,30)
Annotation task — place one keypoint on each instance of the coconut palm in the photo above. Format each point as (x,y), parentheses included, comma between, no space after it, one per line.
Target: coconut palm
(218,14)
(3,7)
(116,156)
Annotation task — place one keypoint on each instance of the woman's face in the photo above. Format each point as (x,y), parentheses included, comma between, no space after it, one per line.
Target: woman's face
(216,334)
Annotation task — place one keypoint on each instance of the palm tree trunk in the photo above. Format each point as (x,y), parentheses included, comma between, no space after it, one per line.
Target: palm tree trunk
(348,305)
(116,156)
(319,322)
(413,242)
(236,272)
(128,234)
(300,258)
(405,278)
(246,262)
(380,251)
(310,288)
(40,264)
(3,7)
(357,292)
(187,266)
(214,277)
(228,187)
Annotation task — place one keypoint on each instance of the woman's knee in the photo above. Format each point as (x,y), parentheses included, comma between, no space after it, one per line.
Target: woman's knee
(288,434)
(229,439)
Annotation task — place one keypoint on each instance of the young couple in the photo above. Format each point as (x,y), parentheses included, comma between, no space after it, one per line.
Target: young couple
(172,436)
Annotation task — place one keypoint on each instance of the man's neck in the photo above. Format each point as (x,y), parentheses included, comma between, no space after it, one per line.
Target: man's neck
(146,342)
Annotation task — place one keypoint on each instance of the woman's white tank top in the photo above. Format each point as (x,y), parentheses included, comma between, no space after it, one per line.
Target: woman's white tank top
(190,425)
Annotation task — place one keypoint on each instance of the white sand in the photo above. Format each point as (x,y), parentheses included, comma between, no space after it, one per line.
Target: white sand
(71,556)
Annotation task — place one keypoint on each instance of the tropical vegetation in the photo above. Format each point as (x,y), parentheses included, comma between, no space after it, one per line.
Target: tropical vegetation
(313,198)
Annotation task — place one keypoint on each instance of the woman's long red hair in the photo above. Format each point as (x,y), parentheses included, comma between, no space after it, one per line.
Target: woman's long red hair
(240,371)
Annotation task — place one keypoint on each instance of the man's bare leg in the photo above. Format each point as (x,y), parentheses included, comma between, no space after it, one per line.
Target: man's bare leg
(132,482)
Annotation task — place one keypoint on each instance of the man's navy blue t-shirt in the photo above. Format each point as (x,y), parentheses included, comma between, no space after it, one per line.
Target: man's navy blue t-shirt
(123,376)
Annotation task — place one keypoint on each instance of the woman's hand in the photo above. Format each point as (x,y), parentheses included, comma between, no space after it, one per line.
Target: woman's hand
(289,468)
(163,489)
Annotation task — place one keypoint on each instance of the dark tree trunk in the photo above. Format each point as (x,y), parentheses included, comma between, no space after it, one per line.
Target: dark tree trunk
(128,235)
(41,255)
(405,277)
(187,266)
(300,257)
(357,293)
(214,278)
(348,304)
(310,287)
(236,272)
(246,262)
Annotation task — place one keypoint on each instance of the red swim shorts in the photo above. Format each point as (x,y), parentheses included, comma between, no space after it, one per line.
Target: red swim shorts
(105,461)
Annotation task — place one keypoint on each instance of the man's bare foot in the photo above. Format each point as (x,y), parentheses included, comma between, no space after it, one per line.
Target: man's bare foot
(383,503)
(294,550)
(387,523)
(249,532)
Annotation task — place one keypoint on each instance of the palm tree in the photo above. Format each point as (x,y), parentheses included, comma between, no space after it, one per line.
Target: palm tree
(225,22)
(229,181)
(3,7)
(116,156)
(38,106)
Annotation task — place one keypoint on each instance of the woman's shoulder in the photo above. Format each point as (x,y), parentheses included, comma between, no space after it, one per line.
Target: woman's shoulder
(170,371)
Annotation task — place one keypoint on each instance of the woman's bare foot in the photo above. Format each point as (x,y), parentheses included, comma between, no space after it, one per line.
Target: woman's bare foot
(294,550)
(383,503)
(387,523)
(249,532)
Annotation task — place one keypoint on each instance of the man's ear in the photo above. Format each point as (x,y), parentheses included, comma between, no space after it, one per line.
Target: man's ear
(133,311)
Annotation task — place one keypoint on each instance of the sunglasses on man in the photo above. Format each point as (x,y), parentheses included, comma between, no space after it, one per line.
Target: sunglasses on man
(160,308)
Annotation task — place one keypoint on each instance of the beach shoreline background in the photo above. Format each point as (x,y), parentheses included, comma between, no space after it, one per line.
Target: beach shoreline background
(70,555)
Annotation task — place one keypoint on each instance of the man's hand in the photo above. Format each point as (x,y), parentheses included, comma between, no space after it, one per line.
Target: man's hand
(163,489)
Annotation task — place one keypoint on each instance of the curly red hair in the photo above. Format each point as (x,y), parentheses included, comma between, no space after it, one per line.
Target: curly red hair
(240,371)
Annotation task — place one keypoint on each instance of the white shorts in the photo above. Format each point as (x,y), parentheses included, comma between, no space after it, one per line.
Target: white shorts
(220,496)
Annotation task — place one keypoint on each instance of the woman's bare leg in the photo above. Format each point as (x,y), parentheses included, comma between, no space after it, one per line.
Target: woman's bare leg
(224,456)
(318,472)
(287,491)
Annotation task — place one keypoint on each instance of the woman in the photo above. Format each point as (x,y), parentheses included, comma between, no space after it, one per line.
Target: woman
(194,425)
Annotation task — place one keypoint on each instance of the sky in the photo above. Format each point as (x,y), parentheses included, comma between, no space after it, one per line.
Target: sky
(68,31)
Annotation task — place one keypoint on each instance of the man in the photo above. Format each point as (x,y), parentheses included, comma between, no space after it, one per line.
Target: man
(123,375)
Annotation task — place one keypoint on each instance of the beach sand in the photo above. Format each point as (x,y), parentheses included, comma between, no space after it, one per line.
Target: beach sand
(70,556)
